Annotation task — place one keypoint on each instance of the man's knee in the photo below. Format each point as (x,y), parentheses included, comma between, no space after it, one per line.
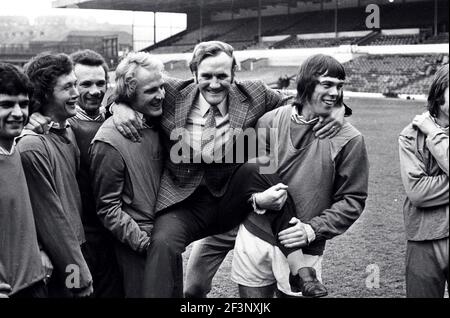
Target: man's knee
(165,241)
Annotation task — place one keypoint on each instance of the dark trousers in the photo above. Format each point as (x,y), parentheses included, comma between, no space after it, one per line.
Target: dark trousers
(426,268)
(56,285)
(204,261)
(98,251)
(199,216)
(131,265)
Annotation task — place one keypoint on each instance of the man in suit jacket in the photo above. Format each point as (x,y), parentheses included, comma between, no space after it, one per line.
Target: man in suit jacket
(187,208)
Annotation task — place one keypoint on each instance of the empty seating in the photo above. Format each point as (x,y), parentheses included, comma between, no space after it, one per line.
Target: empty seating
(243,33)
(406,39)
(440,38)
(391,73)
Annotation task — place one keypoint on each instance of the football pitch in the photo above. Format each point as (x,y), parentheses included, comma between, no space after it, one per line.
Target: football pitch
(367,260)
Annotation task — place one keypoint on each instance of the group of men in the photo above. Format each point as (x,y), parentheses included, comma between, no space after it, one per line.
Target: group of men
(105,207)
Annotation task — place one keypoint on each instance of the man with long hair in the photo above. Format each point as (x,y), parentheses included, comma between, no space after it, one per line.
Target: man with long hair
(423,147)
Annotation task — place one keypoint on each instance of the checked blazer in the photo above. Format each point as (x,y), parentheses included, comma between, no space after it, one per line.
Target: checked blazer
(247,102)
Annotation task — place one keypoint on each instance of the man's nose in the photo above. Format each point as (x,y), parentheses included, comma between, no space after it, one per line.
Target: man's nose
(74,92)
(94,90)
(16,111)
(333,91)
(214,83)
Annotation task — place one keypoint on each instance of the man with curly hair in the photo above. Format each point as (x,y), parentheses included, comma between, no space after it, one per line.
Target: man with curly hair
(51,163)
(91,71)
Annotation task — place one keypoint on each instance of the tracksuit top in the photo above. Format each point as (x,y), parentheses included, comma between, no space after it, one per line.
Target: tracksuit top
(20,260)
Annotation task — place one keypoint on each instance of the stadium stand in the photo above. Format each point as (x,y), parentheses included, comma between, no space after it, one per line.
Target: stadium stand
(313,24)
(440,38)
(325,42)
(242,33)
(392,73)
(420,86)
(397,39)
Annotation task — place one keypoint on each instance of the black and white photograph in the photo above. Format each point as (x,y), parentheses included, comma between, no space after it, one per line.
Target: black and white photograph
(254,151)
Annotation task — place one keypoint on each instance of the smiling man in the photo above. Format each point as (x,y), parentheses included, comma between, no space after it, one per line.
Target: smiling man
(327,183)
(21,270)
(126,175)
(51,162)
(91,72)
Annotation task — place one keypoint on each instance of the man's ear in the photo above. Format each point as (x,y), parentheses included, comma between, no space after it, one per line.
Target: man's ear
(340,99)
(27,120)
(195,74)
(131,87)
(233,73)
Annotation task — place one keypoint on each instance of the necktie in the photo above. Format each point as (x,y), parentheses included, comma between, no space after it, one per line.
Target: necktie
(208,134)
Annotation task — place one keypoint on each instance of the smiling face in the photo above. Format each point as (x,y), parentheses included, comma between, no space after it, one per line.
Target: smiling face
(91,84)
(214,77)
(149,94)
(13,116)
(65,95)
(326,95)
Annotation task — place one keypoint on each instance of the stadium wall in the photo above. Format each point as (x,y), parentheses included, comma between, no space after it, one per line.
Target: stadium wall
(279,57)
(343,53)
(403,49)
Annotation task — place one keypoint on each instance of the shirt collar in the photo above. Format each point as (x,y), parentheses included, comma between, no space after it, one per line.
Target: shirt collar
(144,120)
(82,115)
(204,106)
(55,125)
(299,119)
(5,152)
(436,123)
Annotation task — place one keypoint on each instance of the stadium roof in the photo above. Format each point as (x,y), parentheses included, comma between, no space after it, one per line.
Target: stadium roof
(180,6)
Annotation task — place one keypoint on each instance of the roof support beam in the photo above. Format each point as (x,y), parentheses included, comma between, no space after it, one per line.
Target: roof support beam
(259,22)
(336,7)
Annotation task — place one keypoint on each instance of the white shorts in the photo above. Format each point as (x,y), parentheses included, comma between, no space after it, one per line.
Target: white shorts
(257,263)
